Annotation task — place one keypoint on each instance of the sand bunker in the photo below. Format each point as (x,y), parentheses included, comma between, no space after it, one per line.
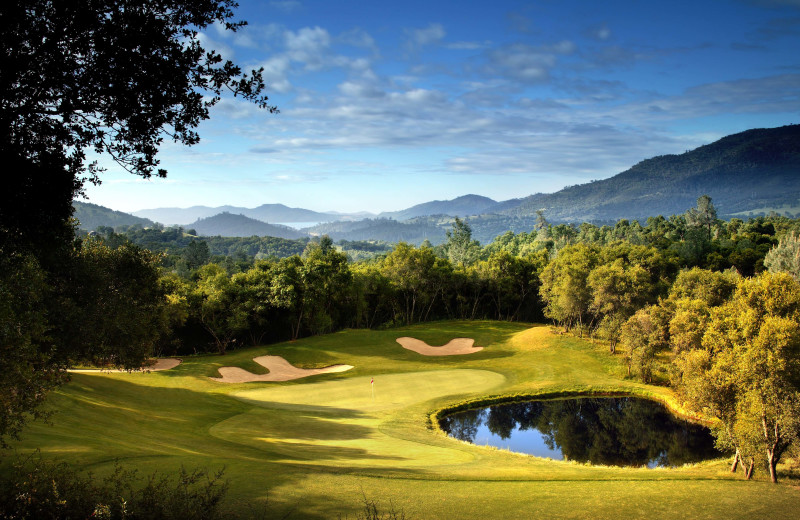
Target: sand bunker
(154,365)
(455,347)
(163,364)
(279,370)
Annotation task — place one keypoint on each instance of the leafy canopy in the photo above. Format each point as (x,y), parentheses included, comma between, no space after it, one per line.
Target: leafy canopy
(113,76)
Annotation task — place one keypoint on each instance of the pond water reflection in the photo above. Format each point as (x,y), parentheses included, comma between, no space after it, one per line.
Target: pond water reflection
(619,431)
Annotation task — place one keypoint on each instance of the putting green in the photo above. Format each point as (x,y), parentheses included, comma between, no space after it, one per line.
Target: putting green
(389,391)
(344,422)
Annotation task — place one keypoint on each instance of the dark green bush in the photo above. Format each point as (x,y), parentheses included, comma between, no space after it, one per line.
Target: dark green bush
(39,489)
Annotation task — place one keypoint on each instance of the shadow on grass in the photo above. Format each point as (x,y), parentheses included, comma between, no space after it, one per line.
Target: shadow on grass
(298,451)
(329,411)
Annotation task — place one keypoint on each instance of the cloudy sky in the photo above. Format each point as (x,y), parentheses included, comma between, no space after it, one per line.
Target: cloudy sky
(389,104)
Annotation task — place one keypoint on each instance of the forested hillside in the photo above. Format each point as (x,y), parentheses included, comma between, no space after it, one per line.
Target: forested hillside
(754,171)
(230,225)
(463,206)
(92,216)
(413,231)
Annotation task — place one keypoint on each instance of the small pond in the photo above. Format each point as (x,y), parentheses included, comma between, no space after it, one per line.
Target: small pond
(617,431)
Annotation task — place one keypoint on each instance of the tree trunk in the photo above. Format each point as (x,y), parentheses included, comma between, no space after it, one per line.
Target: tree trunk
(433,300)
(735,464)
(475,307)
(217,339)
(772,451)
(374,316)
(748,469)
(772,463)
(296,330)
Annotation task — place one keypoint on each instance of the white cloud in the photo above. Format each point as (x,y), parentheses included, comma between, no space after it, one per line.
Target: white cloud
(309,46)
(468,46)
(276,70)
(773,94)
(357,37)
(418,96)
(419,38)
(355,89)
(526,63)
(599,32)
(234,108)
(286,6)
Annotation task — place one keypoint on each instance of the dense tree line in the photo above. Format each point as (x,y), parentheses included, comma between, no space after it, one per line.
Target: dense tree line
(587,279)
(320,291)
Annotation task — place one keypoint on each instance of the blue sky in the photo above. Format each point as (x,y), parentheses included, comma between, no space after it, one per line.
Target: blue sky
(389,104)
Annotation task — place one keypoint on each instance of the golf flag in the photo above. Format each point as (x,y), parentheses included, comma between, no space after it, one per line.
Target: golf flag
(372,380)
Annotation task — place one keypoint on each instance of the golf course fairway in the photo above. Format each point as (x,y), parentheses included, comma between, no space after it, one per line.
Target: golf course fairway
(315,447)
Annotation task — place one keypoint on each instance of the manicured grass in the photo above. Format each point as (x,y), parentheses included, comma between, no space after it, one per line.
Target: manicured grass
(312,446)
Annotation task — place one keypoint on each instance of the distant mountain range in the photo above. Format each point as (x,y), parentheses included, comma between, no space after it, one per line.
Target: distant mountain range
(274,213)
(752,172)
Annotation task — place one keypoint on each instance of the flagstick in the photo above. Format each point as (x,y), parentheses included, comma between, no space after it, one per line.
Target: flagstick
(372,384)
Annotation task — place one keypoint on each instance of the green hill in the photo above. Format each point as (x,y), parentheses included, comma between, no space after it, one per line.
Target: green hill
(463,206)
(91,216)
(413,231)
(230,225)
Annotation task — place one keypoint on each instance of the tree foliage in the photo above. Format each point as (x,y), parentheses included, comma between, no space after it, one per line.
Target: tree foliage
(785,257)
(565,289)
(114,76)
(41,489)
(643,336)
(28,371)
(460,247)
(747,371)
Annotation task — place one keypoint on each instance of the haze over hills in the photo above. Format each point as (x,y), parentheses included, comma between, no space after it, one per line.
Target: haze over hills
(274,213)
(230,225)
(752,172)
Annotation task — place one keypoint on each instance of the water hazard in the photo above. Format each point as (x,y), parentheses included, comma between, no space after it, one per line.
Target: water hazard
(618,431)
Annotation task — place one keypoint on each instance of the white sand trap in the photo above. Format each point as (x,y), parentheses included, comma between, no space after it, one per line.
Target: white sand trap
(279,370)
(153,365)
(455,347)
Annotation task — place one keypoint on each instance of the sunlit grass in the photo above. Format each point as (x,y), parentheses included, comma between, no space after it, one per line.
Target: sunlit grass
(312,445)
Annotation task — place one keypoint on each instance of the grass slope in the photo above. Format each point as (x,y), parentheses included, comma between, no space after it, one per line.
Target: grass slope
(313,446)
